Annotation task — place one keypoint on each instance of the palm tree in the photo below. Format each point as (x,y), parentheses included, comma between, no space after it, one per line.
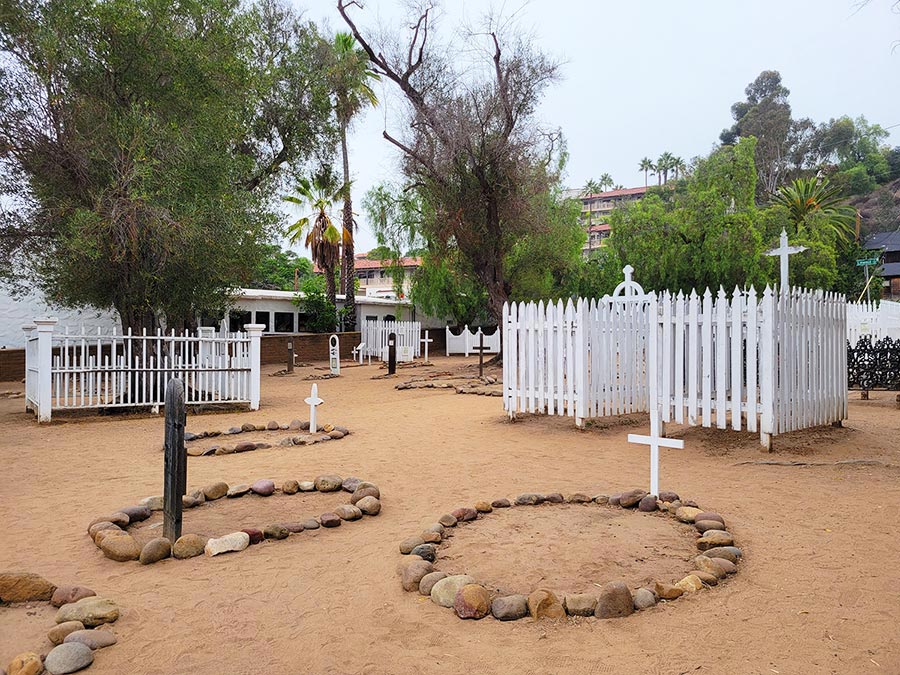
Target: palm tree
(319,232)
(646,166)
(606,181)
(664,165)
(350,78)
(679,166)
(592,187)
(806,197)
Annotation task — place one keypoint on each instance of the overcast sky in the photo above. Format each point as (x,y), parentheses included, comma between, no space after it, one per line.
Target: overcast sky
(647,76)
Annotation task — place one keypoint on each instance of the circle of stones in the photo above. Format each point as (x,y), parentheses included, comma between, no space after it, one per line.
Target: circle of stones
(717,559)
(326,432)
(110,533)
(80,611)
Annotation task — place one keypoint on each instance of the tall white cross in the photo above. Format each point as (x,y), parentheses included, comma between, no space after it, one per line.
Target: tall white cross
(655,441)
(425,341)
(313,401)
(783,251)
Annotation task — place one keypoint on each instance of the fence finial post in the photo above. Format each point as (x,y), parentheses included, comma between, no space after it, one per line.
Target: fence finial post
(44,367)
(254,330)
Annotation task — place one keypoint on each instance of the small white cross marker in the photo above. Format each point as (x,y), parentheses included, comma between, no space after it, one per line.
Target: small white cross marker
(425,341)
(655,441)
(313,401)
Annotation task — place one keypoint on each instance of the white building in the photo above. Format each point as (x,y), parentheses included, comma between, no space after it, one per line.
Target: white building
(274,309)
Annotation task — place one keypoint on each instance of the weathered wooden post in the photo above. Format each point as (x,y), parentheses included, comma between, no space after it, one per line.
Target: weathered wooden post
(392,353)
(480,349)
(290,350)
(175,479)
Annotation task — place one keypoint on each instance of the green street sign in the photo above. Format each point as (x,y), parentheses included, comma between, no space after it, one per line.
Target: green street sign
(866,261)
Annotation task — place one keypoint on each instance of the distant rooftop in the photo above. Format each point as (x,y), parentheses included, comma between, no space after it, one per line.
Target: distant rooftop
(886,241)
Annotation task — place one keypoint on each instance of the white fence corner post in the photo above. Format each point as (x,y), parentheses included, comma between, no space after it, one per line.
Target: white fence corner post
(45,367)
(254,330)
(28,329)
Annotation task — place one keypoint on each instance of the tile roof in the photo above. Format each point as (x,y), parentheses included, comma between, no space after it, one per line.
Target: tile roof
(889,241)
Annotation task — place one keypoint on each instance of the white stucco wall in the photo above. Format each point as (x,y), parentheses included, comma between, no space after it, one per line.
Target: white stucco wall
(16,312)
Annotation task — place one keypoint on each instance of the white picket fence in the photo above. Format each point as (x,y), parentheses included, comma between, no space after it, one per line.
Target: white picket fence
(68,371)
(374,339)
(467,340)
(771,365)
(876,319)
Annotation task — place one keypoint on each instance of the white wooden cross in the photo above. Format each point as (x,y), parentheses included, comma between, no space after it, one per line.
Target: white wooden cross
(783,251)
(425,340)
(655,441)
(313,401)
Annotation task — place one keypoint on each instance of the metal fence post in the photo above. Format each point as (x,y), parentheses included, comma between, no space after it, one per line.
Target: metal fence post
(45,367)
(254,330)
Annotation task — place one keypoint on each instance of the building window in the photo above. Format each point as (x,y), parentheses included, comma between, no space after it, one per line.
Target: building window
(237,319)
(263,318)
(389,317)
(370,317)
(284,322)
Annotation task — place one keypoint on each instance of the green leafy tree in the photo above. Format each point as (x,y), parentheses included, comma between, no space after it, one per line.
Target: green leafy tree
(319,311)
(319,232)
(350,79)
(277,268)
(705,235)
(396,217)
(141,144)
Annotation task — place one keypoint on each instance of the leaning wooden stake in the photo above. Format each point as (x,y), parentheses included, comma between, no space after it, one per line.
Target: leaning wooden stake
(175,479)
(392,353)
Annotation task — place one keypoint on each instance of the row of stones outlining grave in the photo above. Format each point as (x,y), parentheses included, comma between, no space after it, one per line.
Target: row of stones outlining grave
(74,638)
(471,600)
(326,432)
(110,534)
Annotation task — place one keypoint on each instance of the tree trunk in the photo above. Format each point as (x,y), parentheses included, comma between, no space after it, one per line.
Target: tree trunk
(330,290)
(348,268)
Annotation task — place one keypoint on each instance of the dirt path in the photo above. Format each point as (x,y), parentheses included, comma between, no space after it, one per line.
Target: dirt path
(818,592)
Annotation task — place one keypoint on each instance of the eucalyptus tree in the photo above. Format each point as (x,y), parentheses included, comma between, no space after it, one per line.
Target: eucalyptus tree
(473,147)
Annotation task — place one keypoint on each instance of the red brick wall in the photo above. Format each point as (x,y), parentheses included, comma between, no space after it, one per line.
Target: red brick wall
(12,365)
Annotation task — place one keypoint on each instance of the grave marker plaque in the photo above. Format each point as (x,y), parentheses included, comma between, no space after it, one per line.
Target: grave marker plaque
(334,354)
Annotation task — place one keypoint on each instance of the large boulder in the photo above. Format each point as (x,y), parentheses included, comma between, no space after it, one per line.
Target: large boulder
(615,601)
(24,587)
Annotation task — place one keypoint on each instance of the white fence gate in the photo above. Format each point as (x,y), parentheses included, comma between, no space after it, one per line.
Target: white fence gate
(878,320)
(68,371)
(467,339)
(772,365)
(374,338)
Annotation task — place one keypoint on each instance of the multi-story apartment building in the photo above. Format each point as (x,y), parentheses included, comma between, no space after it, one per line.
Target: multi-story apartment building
(595,210)
(375,276)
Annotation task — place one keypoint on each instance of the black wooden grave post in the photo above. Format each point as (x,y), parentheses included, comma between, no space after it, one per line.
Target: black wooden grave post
(392,353)
(480,349)
(175,479)
(290,347)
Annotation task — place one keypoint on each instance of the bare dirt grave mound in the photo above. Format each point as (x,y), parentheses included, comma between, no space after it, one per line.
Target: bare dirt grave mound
(569,547)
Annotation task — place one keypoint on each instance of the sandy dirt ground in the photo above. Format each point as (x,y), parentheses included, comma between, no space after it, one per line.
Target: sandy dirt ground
(818,591)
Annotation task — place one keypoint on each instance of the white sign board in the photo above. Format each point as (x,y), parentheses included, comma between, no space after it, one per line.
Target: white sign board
(334,354)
